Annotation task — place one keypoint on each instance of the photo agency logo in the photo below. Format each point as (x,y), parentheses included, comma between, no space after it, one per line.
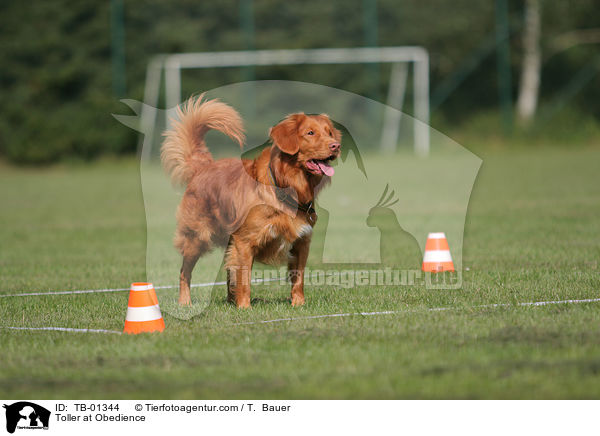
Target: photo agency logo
(387,208)
(25,415)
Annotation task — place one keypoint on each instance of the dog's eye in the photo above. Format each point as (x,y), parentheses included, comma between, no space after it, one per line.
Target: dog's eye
(310,132)
(330,134)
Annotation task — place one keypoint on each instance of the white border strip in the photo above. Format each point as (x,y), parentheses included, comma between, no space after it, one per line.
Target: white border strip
(437,256)
(145,287)
(145,313)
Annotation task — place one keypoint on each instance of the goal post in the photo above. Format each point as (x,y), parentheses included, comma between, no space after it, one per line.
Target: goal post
(399,57)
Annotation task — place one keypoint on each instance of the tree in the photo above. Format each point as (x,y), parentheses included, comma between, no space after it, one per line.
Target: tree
(531,66)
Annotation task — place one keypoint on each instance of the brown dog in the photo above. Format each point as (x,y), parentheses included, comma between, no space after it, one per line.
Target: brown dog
(260,209)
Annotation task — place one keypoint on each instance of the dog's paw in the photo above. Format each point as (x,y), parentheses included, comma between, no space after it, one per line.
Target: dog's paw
(297,300)
(244,305)
(185,301)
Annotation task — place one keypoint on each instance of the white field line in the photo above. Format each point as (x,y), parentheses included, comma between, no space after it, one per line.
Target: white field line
(338,315)
(433,309)
(96,291)
(64,329)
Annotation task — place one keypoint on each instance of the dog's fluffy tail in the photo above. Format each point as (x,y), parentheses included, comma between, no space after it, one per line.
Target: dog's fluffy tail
(184,151)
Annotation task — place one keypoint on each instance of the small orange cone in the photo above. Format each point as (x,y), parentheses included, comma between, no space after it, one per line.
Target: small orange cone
(437,254)
(143,313)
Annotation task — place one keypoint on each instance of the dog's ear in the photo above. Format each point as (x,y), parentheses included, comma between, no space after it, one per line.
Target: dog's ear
(285,134)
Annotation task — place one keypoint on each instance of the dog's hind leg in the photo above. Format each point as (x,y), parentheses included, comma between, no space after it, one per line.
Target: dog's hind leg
(185,277)
(191,247)
(230,278)
(239,260)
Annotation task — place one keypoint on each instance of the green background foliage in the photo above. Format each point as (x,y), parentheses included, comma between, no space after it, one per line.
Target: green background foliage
(56,75)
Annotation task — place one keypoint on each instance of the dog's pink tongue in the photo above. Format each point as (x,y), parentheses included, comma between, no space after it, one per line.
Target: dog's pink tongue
(326,168)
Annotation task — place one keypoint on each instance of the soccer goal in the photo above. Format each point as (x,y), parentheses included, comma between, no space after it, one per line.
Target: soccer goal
(399,57)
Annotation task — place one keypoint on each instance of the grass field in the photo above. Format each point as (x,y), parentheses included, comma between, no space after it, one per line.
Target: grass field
(532,234)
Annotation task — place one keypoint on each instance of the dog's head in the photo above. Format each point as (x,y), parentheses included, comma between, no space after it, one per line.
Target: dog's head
(312,140)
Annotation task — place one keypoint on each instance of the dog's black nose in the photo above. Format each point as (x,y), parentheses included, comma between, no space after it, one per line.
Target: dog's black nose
(334,146)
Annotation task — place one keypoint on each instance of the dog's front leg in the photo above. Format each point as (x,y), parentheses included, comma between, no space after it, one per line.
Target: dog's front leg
(296,267)
(239,272)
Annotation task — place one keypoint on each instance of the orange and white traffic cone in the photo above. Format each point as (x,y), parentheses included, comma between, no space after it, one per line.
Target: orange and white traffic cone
(143,313)
(437,256)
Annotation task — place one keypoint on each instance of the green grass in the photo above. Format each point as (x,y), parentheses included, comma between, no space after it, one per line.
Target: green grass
(532,234)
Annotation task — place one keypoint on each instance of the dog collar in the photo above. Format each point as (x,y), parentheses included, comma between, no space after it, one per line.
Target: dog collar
(287,199)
